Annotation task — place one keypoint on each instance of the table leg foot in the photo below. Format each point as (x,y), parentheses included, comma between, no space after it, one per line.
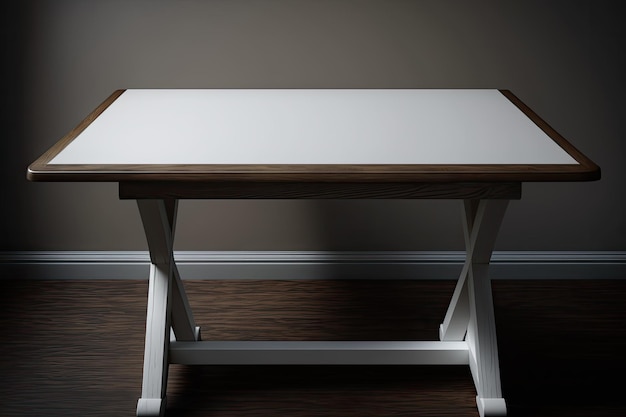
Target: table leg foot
(491,407)
(151,407)
(158,219)
(471,314)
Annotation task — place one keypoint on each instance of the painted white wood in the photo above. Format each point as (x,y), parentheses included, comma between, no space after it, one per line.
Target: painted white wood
(455,322)
(481,223)
(491,407)
(489,215)
(318,353)
(154,216)
(151,407)
(481,330)
(155,364)
(470,314)
(317,126)
(481,339)
(168,308)
(183,323)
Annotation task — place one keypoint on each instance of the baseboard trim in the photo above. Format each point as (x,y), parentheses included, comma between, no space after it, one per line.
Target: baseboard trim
(207,265)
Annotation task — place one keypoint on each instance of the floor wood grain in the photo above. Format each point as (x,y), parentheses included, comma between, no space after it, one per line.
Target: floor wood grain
(75,348)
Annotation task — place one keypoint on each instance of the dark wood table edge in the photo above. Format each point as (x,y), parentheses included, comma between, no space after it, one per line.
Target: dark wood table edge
(585,170)
(313,173)
(318,190)
(586,164)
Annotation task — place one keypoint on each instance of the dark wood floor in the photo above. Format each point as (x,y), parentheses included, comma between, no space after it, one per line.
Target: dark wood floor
(75,348)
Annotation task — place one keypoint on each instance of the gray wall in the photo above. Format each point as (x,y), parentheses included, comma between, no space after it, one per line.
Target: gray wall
(565,59)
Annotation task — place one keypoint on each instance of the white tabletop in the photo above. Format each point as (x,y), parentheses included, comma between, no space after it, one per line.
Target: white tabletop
(265,126)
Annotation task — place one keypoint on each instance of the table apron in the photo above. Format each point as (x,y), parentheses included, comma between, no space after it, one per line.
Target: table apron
(319,190)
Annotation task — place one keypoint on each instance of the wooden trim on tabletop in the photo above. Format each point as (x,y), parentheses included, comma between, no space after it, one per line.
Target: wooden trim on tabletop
(312,173)
(41,164)
(587,169)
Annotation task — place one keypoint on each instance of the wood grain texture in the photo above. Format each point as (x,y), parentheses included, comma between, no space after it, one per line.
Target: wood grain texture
(270,190)
(587,167)
(313,173)
(41,163)
(74,348)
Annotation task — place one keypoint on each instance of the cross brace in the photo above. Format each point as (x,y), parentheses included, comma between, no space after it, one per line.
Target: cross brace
(467,333)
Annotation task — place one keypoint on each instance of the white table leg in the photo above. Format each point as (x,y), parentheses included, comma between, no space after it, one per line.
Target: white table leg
(183,322)
(167,304)
(470,314)
(482,344)
(469,319)
(155,362)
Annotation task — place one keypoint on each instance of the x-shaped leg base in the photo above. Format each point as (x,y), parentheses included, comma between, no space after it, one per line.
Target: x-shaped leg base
(168,306)
(470,315)
(467,334)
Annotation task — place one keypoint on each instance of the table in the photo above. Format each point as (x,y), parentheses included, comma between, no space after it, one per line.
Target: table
(163,145)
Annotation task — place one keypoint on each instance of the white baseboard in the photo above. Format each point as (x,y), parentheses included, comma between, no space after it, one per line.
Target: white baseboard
(282,265)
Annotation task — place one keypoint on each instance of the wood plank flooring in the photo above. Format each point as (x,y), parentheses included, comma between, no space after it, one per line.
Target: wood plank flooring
(75,348)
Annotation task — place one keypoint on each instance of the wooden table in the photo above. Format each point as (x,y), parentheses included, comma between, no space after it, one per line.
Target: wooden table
(475,145)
